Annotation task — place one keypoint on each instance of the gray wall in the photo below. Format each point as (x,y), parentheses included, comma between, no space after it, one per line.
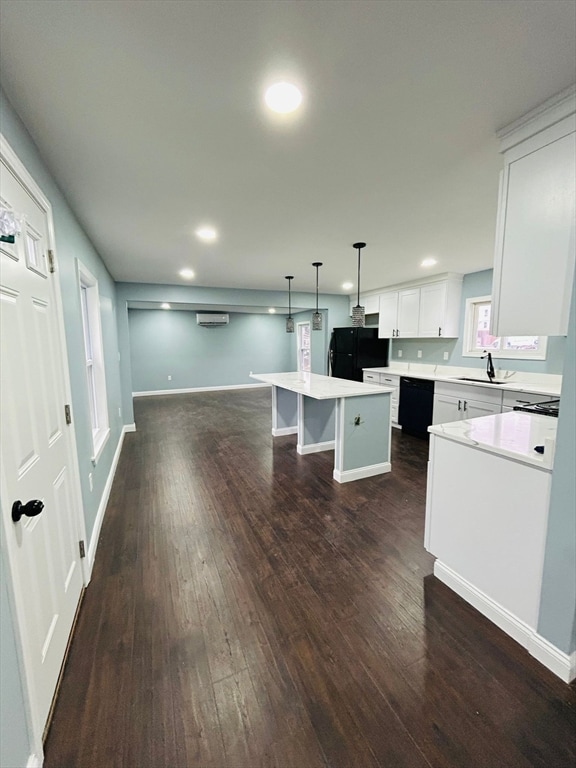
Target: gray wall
(557,620)
(71,243)
(475,284)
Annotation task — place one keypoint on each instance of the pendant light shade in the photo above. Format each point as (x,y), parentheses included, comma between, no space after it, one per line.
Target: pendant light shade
(289,319)
(358,315)
(317,317)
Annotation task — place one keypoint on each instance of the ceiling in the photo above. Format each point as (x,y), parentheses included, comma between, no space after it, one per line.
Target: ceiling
(150,117)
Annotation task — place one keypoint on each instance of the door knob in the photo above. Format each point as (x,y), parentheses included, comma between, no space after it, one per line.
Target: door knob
(31,509)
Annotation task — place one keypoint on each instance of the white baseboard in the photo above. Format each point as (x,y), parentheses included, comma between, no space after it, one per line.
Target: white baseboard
(91,553)
(34,761)
(561,664)
(348,475)
(197,389)
(315,447)
(284,431)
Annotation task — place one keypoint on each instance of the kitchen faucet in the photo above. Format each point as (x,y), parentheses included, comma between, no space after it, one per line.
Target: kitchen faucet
(489,365)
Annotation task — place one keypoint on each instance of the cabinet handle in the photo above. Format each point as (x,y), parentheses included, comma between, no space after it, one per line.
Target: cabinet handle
(397,332)
(526,402)
(459,405)
(439,330)
(465,405)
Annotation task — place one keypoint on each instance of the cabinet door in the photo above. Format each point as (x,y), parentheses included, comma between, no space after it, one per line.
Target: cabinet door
(388,317)
(432,309)
(447,409)
(474,408)
(534,259)
(371,304)
(408,313)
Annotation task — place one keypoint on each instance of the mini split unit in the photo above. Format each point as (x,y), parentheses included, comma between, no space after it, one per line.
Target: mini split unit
(211,320)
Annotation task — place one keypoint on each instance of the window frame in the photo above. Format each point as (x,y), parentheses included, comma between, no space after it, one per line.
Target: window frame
(300,348)
(94,368)
(469,336)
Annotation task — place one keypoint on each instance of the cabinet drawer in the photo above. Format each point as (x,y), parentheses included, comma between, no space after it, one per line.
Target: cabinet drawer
(372,378)
(511,399)
(489,394)
(389,380)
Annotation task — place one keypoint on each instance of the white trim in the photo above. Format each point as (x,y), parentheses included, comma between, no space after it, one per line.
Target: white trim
(197,389)
(102,439)
(279,431)
(328,445)
(543,116)
(348,475)
(558,662)
(91,553)
(35,761)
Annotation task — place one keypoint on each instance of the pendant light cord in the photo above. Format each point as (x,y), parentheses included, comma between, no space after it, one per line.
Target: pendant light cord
(358,301)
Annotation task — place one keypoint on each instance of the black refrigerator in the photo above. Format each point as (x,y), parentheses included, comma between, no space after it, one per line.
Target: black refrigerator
(352,349)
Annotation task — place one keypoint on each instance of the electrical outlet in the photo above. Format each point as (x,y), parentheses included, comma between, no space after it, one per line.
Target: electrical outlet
(250,373)
(446,355)
(419,353)
(90,481)
(119,413)
(169,378)
(399,353)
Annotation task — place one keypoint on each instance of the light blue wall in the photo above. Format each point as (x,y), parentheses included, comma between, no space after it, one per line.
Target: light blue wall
(71,243)
(557,619)
(164,343)
(334,308)
(475,284)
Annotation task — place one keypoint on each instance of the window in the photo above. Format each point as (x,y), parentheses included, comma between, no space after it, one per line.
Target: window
(94,360)
(303,338)
(477,336)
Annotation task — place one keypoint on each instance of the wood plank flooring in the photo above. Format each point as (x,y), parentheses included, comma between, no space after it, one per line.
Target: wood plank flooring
(247,611)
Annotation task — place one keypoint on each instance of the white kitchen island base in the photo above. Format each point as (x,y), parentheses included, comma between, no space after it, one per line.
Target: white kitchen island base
(349,417)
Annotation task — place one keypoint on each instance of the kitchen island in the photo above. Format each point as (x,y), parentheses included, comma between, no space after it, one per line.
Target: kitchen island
(487,503)
(327,413)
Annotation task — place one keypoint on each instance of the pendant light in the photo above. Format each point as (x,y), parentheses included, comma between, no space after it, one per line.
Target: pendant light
(289,319)
(317,316)
(358,317)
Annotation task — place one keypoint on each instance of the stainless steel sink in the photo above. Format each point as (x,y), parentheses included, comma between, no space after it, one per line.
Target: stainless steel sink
(481,381)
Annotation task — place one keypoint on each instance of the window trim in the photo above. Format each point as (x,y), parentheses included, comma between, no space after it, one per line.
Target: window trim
(468,350)
(94,369)
(299,348)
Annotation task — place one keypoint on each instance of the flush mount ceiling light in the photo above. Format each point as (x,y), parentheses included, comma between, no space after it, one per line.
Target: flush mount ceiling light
(289,319)
(283,98)
(317,316)
(358,317)
(272,311)
(166,306)
(347,286)
(206,234)
(187,273)
(428,262)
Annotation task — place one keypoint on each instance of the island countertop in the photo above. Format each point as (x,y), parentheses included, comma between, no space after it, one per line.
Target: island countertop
(319,387)
(512,435)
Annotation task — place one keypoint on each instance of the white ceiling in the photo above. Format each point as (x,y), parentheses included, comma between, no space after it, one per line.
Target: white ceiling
(150,116)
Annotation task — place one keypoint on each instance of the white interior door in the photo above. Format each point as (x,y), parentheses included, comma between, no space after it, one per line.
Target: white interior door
(38,461)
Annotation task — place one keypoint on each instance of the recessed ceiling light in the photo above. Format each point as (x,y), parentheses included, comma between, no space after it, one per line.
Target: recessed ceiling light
(347,286)
(428,262)
(187,273)
(283,97)
(207,234)
(272,311)
(166,306)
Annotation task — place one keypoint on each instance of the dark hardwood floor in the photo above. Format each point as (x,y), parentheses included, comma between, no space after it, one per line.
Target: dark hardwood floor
(246,610)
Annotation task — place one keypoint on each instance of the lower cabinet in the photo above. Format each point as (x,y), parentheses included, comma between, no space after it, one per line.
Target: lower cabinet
(387,380)
(455,402)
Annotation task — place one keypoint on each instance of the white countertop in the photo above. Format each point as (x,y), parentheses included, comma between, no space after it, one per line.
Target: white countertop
(320,387)
(512,435)
(516,384)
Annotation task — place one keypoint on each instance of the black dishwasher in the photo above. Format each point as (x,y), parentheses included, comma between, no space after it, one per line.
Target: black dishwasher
(416,405)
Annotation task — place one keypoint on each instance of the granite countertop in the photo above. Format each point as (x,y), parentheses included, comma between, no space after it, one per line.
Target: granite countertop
(551,390)
(512,435)
(320,387)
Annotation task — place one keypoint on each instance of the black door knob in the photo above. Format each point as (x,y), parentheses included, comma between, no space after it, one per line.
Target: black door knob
(31,509)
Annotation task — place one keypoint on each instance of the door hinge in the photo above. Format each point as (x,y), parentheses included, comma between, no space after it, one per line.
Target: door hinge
(68,414)
(51,265)
(82,549)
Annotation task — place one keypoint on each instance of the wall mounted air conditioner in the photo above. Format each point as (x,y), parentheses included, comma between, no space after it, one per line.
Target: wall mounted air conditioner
(211,320)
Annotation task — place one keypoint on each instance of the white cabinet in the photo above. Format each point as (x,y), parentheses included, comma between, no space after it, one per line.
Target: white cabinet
(429,310)
(440,309)
(455,402)
(535,238)
(387,380)
(370,303)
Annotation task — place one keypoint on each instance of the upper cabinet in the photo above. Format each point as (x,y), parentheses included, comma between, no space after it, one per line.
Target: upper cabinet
(535,235)
(429,310)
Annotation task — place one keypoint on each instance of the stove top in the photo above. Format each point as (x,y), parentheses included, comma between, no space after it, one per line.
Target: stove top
(545,408)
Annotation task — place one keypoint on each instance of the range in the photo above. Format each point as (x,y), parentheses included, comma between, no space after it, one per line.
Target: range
(545,408)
